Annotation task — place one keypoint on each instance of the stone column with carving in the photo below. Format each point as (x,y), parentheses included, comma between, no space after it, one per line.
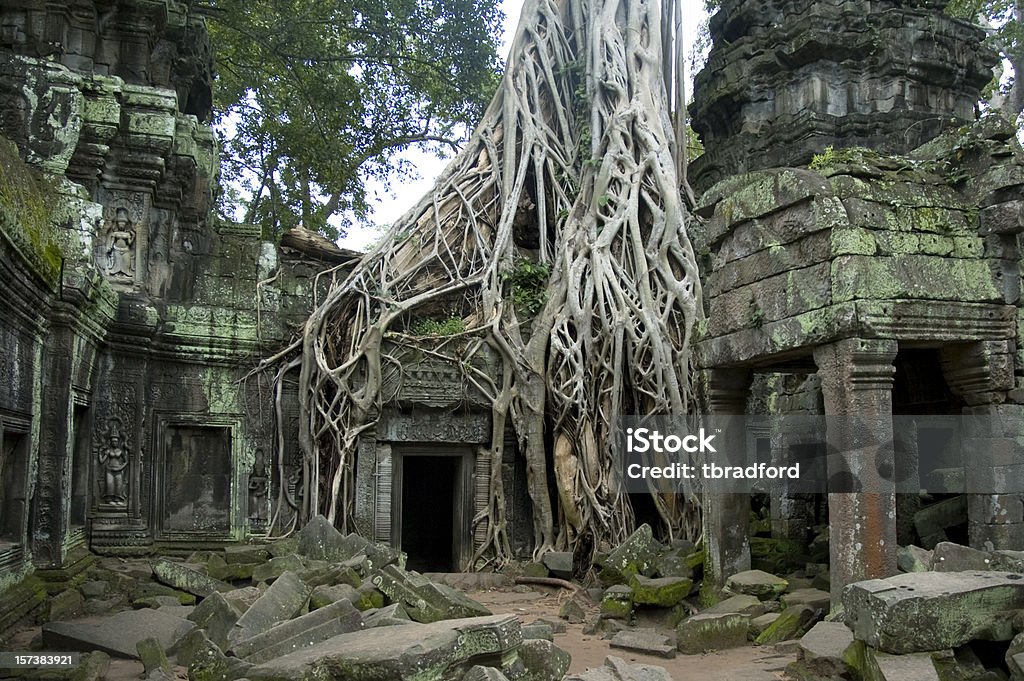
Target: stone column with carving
(856,383)
(982,375)
(726,517)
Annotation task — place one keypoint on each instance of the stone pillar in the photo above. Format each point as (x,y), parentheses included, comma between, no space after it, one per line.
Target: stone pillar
(982,374)
(856,383)
(726,517)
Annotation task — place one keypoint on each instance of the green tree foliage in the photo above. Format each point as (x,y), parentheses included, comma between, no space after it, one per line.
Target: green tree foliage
(1004,20)
(317,96)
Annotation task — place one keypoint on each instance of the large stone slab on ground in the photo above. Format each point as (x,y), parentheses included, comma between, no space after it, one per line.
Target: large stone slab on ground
(425,601)
(879,666)
(702,633)
(400,652)
(662,591)
(282,601)
(543,661)
(188,579)
(816,598)
(617,669)
(950,557)
(312,628)
(117,635)
(927,611)
(756,583)
(646,641)
(635,556)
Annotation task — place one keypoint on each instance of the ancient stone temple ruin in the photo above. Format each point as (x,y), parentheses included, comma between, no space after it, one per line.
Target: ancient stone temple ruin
(859,237)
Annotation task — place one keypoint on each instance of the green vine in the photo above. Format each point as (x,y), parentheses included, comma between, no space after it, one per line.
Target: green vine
(528,281)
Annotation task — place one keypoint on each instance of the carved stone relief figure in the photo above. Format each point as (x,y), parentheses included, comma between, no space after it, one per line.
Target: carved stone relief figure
(120,246)
(259,485)
(113,459)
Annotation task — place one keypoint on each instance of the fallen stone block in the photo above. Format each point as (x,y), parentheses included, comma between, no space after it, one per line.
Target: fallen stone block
(662,591)
(675,562)
(323,596)
(188,579)
(792,623)
(152,589)
(94,589)
(879,666)
(479,673)
(646,641)
(932,521)
(559,563)
(536,630)
(368,597)
(301,632)
(210,664)
(950,557)
(703,633)
(116,635)
(92,667)
(617,669)
(757,583)
(152,655)
(275,567)
(282,601)
(543,661)
(242,599)
(66,605)
(427,651)
(617,602)
(220,569)
(816,598)
(1014,657)
(635,556)
(828,650)
(425,601)
(927,611)
(320,540)
(246,554)
(572,612)
(913,559)
(217,617)
(743,604)
(557,625)
(760,623)
(389,616)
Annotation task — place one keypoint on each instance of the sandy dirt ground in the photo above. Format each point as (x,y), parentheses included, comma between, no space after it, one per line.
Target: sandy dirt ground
(750,663)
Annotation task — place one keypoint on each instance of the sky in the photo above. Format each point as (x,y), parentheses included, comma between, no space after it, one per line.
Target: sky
(403,194)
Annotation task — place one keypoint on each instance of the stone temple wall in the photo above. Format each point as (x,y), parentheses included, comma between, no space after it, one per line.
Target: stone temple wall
(126,421)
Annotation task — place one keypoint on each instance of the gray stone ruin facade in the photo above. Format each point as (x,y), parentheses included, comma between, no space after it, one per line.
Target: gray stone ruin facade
(871,283)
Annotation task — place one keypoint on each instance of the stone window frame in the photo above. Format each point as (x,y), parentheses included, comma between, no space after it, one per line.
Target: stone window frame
(11,552)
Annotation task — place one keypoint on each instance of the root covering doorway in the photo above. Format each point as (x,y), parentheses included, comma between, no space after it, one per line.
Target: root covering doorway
(432,507)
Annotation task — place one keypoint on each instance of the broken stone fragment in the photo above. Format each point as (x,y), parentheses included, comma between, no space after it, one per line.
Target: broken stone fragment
(950,557)
(617,669)
(479,673)
(369,597)
(301,632)
(423,600)
(541,631)
(187,578)
(572,612)
(245,553)
(703,633)
(827,651)
(543,660)
(65,605)
(216,616)
(422,651)
(242,599)
(927,611)
(218,568)
(662,591)
(646,641)
(763,585)
(932,521)
(92,667)
(635,556)
(617,602)
(792,623)
(388,616)
(275,567)
(94,589)
(285,598)
(913,559)
(325,595)
(557,625)
(149,589)
(879,666)
(535,570)
(1015,657)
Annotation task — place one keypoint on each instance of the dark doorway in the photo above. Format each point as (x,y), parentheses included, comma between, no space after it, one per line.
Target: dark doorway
(428,511)
(80,466)
(13,479)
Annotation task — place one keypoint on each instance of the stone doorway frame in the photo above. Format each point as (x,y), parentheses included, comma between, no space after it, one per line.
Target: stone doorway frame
(462,501)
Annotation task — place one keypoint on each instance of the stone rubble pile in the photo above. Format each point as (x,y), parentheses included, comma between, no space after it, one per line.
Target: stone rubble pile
(956,614)
(318,606)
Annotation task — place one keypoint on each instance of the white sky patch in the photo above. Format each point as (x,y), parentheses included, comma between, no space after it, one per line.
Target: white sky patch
(388,206)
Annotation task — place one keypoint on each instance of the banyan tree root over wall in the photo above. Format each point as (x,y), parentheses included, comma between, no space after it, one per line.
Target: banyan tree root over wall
(572,180)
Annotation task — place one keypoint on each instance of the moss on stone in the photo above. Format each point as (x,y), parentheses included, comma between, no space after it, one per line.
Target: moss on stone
(27,197)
